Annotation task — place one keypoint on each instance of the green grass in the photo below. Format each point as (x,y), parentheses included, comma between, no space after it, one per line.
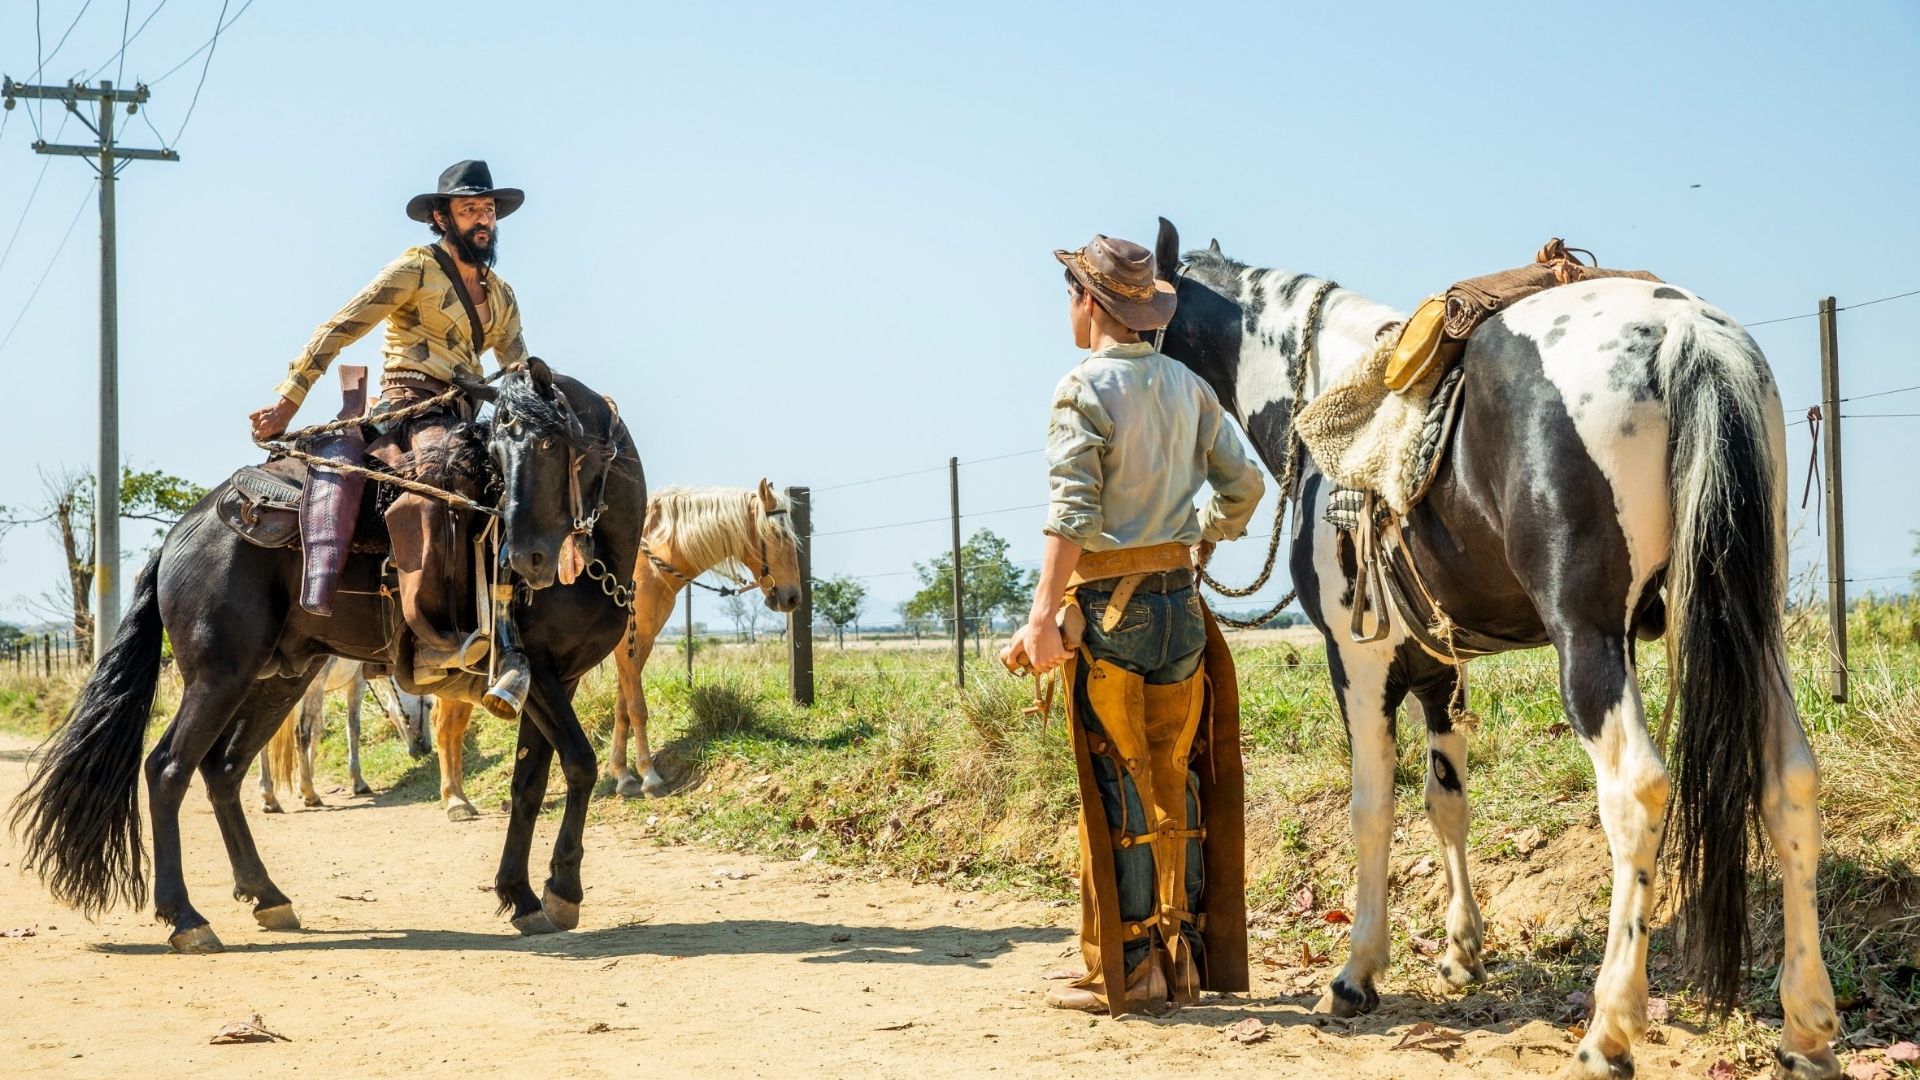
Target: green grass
(894,771)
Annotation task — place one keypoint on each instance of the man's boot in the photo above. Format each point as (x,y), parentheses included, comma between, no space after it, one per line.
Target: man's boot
(1146,991)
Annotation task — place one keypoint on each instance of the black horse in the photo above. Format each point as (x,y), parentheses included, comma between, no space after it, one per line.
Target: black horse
(246,652)
(1619,439)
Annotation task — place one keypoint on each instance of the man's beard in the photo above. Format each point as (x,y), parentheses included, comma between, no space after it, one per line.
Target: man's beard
(472,253)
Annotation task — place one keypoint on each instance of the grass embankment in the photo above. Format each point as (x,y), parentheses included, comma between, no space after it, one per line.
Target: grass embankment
(894,771)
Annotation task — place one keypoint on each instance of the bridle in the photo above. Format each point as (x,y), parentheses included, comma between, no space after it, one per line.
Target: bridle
(762,581)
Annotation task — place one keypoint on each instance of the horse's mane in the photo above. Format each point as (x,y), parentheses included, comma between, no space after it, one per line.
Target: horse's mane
(519,398)
(708,525)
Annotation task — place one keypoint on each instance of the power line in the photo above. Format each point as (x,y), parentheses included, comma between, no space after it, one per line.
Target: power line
(1879,415)
(126,17)
(203,48)
(43,274)
(211,47)
(11,240)
(125,41)
(1883,393)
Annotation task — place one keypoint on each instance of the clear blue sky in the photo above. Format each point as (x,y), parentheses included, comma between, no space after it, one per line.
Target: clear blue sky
(811,241)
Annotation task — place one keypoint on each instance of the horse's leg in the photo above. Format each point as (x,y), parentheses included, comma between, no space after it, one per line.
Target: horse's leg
(206,707)
(354,693)
(255,722)
(1789,803)
(1369,693)
(630,710)
(313,719)
(1602,695)
(533,757)
(450,720)
(270,802)
(1447,811)
(553,713)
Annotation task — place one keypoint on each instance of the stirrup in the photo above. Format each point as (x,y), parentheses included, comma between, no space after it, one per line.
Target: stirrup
(508,694)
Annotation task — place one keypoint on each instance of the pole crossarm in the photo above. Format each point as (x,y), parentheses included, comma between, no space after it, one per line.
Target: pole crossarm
(65,150)
(72,92)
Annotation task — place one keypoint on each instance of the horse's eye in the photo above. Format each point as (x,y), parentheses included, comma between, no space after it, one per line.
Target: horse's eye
(546,444)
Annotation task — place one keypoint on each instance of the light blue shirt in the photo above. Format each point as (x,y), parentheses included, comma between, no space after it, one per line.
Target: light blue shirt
(1133,437)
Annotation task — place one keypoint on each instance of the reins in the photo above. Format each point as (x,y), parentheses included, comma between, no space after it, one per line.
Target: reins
(1289,491)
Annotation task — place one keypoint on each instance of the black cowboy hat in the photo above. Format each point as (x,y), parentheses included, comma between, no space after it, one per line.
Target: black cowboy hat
(466,179)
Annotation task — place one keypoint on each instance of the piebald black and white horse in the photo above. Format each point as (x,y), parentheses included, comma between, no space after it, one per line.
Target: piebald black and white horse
(1618,438)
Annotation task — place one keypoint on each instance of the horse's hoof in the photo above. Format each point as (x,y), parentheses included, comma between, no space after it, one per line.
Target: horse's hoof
(312,800)
(197,941)
(630,787)
(565,914)
(1590,1064)
(461,811)
(1344,1000)
(278,917)
(1793,1065)
(362,788)
(654,786)
(1460,976)
(535,923)
(271,808)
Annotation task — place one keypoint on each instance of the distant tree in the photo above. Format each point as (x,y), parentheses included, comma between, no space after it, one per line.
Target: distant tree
(839,600)
(68,512)
(995,588)
(1914,580)
(741,614)
(914,621)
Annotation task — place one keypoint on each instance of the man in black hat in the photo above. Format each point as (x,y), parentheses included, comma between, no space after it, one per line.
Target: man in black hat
(443,307)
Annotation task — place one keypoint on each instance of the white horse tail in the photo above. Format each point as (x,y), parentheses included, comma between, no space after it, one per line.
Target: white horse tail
(1726,583)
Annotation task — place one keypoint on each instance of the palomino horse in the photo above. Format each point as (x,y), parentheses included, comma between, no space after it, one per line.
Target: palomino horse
(569,483)
(1617,437)
(689,532)
(299,735)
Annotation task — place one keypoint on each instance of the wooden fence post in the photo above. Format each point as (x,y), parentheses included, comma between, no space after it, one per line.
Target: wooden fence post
(959,589)
(1836,518)
(800,621)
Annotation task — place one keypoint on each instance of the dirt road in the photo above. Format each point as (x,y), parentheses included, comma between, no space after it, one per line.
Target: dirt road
(687,962)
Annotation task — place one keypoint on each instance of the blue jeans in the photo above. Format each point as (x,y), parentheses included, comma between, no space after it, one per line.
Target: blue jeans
(1160,637)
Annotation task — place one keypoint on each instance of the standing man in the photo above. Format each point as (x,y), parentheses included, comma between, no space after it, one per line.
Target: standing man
(443,307)
(1154,709)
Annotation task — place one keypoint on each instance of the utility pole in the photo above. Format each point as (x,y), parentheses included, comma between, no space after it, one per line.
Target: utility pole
(106,511)
(1836,516)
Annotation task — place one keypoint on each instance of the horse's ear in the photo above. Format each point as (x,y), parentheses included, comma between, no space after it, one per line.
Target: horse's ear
(1166,251)
(475,389)
(542,376)
(768,500)
(1213,246)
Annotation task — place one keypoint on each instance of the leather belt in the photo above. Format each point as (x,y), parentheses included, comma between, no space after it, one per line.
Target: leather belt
(1166,581)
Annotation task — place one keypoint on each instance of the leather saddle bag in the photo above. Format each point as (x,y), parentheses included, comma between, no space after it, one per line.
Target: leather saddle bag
(262,507)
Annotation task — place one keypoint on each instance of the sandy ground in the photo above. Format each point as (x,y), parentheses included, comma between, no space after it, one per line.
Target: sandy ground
(678,969)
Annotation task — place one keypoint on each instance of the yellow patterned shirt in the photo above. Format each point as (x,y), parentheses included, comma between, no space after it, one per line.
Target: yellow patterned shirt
(427,326)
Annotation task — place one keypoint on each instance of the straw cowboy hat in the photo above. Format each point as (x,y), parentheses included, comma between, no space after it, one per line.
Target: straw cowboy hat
(1120,275)
(466,179)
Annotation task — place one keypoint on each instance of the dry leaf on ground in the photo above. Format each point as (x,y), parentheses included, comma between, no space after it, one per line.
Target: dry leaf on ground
(19,932)
(732,874)
(251,1030)
(1309,958)
(365,896)
(1250,1030)
(1425,946)
(1421,868)
(1426,1036)
(1903,1051)
(1721,1070)
(1337,916)
(1866,1068)
(1303,902)
(1657,1010)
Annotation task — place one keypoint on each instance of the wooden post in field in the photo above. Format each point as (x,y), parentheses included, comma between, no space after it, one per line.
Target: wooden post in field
(688,635)
(1836,517)
(46,655)
(959,590)
(800,621)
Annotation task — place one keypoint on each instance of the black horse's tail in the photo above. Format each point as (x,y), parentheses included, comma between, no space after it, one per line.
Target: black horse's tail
(1726,588)
(80,812)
